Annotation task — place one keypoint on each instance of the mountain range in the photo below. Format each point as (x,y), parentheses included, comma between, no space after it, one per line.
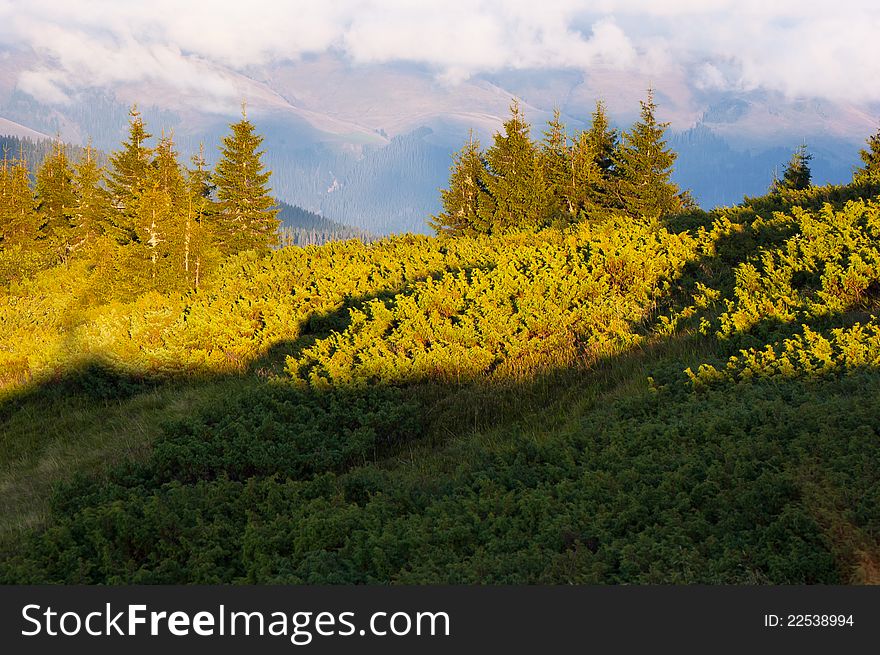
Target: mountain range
(370,145)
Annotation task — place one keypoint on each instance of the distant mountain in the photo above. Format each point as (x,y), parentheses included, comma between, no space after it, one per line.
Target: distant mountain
(11,128)
(371,145)
(300,227)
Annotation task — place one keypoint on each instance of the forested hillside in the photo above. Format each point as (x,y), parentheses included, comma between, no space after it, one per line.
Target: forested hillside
(300,227)
(583,378)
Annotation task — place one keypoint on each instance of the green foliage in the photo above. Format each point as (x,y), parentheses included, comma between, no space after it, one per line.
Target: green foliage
(19,223)
(127,176)
(689,398)
(592,166)
(870,156)
(461,201)
(56,199)
(797,175)
(556,163)
(161,220)
(516,195)
(92,207)
(520,185)
(246,217)
(643,167)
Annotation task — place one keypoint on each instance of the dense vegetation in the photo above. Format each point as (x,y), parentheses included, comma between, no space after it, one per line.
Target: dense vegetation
(622,389)
(143,222)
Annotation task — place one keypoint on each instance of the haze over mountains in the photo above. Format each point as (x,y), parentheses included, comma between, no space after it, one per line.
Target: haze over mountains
(368,144)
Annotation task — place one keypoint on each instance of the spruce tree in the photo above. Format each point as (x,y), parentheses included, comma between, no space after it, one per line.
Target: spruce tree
(19,224)
(602,139)
(198,237)
(246,217)
(127,176)
(643,167)
(92,206)
(870,156)
(556,164)
(160,218)
(797,175)
(516,194)
(593,155)
(460,213)
(56,201)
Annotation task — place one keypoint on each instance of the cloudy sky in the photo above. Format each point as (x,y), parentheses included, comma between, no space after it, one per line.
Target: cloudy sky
(800,48)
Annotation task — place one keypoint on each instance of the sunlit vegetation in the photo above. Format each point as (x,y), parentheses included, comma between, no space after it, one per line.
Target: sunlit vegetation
(608,386)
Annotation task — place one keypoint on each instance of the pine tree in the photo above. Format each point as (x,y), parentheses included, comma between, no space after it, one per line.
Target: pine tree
(593,155)
(56,201)
(199,250)
(516,194)
(127,176)
(556,164)
(19,224)
(870,156)
(797,175)
(92,207)
(160,221)
(643,167)
(247,215)
(461,200)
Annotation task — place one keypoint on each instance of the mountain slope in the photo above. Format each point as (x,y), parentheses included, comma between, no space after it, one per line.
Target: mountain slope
(622,402)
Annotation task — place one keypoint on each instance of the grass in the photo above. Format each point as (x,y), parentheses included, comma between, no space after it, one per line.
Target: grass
(49,437)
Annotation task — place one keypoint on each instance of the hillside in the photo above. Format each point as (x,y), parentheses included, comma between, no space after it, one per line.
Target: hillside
(626,400)
(300,227)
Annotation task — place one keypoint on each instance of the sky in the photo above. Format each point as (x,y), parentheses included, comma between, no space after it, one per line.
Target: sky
(800,48)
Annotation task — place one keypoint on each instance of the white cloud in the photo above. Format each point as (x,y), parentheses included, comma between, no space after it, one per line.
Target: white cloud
(796,47)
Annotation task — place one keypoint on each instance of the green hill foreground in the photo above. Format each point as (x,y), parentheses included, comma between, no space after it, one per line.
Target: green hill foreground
(619,401)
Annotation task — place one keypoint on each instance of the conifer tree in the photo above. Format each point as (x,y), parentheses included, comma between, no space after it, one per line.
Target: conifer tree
(160,221)
(461,200)
(643,167)
(516,194)
(593,155)
(92,208)
(602,139)
(246,216)
(19,224)
(555,158)
(56,201)
(198,237)
(870,156)
(127,175)
(797,175)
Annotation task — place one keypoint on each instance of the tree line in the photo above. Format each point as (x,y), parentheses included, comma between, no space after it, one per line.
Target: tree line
(519,183)
(155,218)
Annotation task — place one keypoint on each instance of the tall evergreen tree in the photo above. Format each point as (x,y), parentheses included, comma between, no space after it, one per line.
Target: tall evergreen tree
(602,139)
(56,200)
(160,217)
(643,167)
(797,175)
(198,237)
(516,194)
(92,206)
(127,175)
(870,156)
(461,200)
(247,215)
(19,224)
(593,155)
(555,158)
